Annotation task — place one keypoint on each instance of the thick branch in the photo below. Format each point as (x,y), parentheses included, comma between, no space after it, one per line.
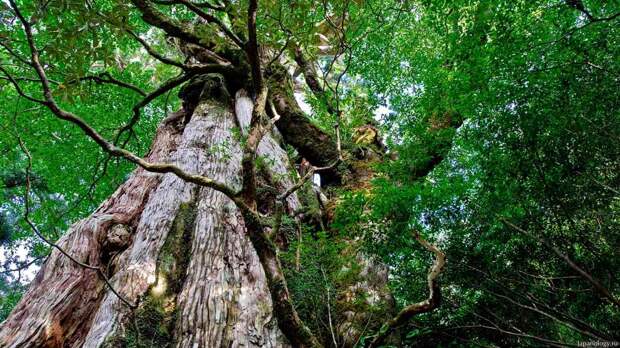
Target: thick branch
(154,17)
(288,320)
(432,302)
(312,79)
(252,47)
(579,6)
(212,19)
(310,141)
(298,334)
(249,151)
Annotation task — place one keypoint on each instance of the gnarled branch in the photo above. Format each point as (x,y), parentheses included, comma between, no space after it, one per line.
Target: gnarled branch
(429,304)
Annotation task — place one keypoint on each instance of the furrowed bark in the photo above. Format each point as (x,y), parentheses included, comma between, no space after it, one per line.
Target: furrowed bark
(137,267)
(224,299)
(233,290)
(357,318)
(58,307)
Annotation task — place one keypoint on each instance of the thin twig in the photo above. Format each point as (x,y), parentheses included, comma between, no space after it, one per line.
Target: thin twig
(597,285)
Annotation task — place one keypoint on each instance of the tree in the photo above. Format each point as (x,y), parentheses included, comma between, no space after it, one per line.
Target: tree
(218,236)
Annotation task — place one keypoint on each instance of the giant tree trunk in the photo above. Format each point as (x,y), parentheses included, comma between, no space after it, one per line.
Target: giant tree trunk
(177,250)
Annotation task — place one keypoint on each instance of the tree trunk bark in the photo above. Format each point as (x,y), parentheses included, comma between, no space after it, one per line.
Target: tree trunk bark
(179,251)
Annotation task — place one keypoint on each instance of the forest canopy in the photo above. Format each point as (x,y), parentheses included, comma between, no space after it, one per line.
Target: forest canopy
(436,174)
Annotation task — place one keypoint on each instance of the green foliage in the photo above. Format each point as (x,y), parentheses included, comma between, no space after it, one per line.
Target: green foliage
(321,270)
(70,175)
(11,294)
(537,86)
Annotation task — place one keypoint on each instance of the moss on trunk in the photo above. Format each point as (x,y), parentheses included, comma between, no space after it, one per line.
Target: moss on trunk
(153,323)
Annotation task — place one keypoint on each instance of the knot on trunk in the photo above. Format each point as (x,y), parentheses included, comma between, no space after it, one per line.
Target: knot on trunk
(117,239)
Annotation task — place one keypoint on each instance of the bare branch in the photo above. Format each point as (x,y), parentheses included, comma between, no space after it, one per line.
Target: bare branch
(15,54)
(22,265)
(304,179)
(153,53)
(329,310)
(212,19)
(168,85)
(17,86)
(548,315)
(196,4)
(256,133)
(512,333)
(106,77)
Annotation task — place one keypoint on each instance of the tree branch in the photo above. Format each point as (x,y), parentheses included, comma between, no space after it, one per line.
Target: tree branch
(212,19)
(432,302)
(106,77)
(289,321)
(107,146)
(252,47)
(154,17)
(585,275)
(168,85)
(18,87)
(255,135)
(312,79)
(22,265)
(310,141)
(197,4)
(153,53)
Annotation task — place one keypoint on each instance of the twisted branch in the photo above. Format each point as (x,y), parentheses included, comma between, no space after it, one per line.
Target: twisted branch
(429,304)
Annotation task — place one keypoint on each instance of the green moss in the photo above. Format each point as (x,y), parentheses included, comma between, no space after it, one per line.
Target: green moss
(152,325)
(174,256)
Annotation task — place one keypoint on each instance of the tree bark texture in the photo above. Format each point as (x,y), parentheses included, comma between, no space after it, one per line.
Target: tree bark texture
(207,276)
